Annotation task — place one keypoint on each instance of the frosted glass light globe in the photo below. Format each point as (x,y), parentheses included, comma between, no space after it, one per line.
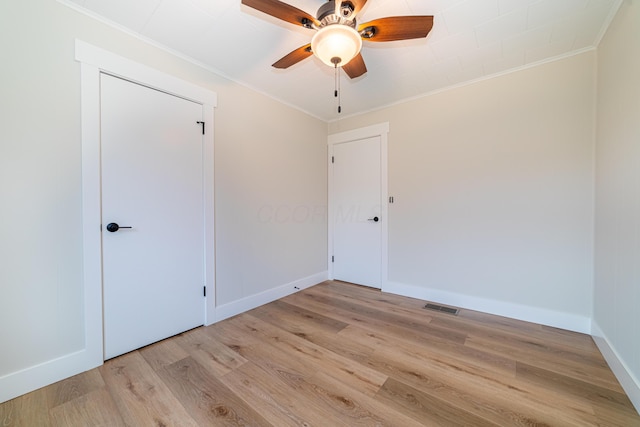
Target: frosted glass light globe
(335,42)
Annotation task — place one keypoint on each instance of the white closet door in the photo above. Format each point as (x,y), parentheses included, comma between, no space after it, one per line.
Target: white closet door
(152,181)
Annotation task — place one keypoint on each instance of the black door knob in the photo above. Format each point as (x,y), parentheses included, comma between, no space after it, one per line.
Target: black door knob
(113,227)
(374,219)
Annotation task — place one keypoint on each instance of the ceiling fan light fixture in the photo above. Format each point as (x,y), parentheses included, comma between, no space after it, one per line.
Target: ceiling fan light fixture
(336,41)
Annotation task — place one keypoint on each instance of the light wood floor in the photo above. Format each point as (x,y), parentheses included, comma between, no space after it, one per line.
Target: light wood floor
(343,355)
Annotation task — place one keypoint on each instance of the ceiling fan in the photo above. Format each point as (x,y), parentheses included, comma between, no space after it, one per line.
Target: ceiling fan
(338,38)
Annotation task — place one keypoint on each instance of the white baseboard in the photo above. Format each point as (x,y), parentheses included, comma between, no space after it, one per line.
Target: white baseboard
(627,380)
(245,304)
(571,322)
(18,383)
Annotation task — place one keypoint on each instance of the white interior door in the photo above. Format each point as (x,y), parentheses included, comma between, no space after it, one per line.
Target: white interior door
(152,181)
(357,219)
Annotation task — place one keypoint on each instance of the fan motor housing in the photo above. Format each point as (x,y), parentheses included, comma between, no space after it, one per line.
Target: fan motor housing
(327,14)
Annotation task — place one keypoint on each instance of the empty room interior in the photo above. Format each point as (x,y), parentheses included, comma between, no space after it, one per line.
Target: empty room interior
(192,236)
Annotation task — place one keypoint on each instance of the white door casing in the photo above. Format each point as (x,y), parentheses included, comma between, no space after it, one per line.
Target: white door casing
(95,61)
(360,169)
(153,272)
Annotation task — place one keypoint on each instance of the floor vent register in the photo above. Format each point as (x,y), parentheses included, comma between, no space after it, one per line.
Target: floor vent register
(441,308)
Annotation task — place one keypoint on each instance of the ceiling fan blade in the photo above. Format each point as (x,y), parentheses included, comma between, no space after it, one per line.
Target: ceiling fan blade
(396,28)
(355,67)
(282,11)
(294,57)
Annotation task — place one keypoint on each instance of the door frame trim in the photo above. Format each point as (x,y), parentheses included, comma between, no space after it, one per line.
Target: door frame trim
(381,130)
(94,61)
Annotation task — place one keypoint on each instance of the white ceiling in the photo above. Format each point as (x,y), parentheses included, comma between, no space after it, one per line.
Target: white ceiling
(470,40)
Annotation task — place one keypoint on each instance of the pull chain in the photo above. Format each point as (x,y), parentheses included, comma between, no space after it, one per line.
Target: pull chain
(336,92)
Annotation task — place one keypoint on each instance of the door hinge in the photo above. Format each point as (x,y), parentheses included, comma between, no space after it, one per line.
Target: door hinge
(204,289)
(332,258)
(333,159)
(201,123)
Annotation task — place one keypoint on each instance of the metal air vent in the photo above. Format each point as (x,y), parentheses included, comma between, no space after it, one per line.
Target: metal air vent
(441,308)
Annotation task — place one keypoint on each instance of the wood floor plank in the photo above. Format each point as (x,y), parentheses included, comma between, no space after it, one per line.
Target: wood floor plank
(360,293)
(210,353)
(540,336)
(414,326)
(95,408)
(140,395)
(253,346)
(276,400)
(500,365)
(402,306)
(616,405)
(500,322)
(483,405)
(206,398)
(74,387)
(332,341)
(353,407)
(317,358)
(469,385)
(578,340)
(31,409)
(304,324)
(587,368)
(536,346)
(295,316)
(611,417)
(163,353)
(417,321)
(426,408)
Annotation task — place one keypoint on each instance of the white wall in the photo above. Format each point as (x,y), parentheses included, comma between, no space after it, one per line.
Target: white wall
(493,188)
(267,154)
(271,185)
(617,255)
